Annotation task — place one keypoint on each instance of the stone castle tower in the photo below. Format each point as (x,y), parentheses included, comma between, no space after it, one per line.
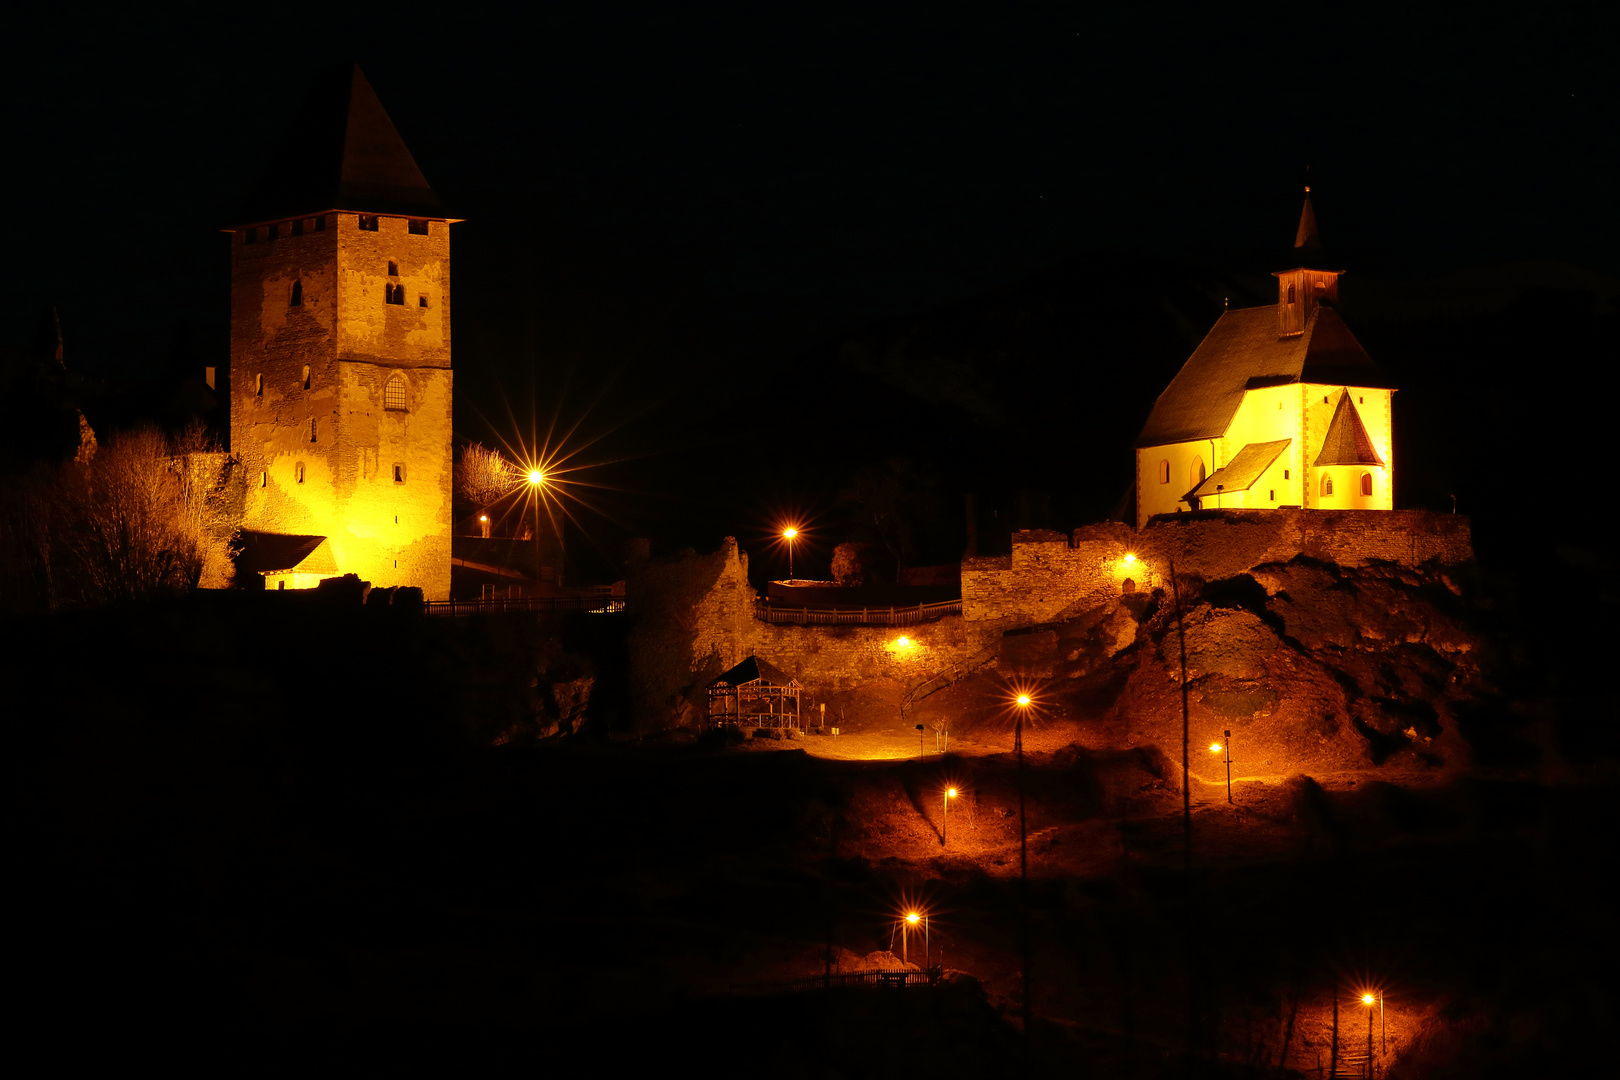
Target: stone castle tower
(340,353)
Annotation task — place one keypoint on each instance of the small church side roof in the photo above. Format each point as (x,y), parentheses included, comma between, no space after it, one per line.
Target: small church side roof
(341,152)
(1239,474)
(1241,350)
(1346,441)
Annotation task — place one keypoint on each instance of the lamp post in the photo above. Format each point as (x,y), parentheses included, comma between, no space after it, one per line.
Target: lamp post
(789,535)
(945,818)
(537,479)
(1216,748)
(912,919)
(1367,1000)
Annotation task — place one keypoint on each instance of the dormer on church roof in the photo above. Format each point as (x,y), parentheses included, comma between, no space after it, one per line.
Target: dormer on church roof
(342,152)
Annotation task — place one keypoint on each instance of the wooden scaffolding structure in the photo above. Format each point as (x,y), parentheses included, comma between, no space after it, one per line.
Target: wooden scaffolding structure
(755,694)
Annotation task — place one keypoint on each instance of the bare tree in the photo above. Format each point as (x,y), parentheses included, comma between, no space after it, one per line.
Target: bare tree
(483,475)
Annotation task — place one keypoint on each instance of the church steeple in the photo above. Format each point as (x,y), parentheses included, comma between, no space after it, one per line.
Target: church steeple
(1304,287)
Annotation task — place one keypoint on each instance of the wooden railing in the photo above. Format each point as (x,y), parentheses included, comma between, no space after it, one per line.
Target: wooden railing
(604,604)
(908,615)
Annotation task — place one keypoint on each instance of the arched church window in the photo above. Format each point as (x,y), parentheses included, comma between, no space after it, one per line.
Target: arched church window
(1366,483)
(1196,473)
(297,298)
(394,394)
(1327,485)
(1164,470)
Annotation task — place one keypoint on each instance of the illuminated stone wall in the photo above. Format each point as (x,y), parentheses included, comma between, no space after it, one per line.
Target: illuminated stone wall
(694,618)
(321,451)
(1050,577)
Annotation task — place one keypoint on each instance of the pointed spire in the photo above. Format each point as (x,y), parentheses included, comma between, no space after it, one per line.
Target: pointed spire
(341,152)
(1306,235)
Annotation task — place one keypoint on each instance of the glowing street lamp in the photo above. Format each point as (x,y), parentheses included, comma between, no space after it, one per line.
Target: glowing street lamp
(537,480)
(789,534)
(950,793)
(1367,1000)
(1216,748)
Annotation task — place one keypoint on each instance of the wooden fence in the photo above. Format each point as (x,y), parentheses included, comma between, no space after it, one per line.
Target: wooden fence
(909,615)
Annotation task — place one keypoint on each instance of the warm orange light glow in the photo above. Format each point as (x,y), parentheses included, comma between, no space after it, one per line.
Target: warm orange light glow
(483,517)
(1023,700)
(950,793)
(1129,558)
(1214,747)
(1367,999)
(788,534)
(904,643)
(536,476)
(912,917)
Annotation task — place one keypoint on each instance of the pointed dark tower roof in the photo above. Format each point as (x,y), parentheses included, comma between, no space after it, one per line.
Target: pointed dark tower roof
(1306,236)
(342,152)
(1346,442)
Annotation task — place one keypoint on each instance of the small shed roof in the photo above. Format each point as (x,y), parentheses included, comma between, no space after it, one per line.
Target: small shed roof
(754,669)
(267,553)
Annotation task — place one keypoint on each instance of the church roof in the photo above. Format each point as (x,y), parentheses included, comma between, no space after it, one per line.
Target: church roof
(754,669)
(1242,351)
(1346,442)
(1239,474)
(1306,235)
(341,152)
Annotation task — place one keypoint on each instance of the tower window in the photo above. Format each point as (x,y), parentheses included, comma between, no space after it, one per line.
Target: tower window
(418,228)
(297,228)
(1285,474)
(250,235)
(1273,494)
(258,385)
(1366,484)
(399,473)
(421,301)
(1164,470)
(274,232)
(1290,294)
(312,429)
(320,223)
(395,294)
(368,222)
(297,297)
(306,376)
(1327,485)
(298,473)
(264,478)
(393,268)
(394,394)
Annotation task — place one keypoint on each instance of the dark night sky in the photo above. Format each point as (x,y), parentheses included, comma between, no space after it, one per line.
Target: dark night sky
(659,202)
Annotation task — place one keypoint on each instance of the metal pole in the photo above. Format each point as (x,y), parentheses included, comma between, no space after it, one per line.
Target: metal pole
(1383,1032)
(1228,768)
(1369,1044)
(945,817)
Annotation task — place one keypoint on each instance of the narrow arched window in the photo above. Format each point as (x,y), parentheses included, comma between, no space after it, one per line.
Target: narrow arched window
(1196,473)
(394,394)
(1164,470)
(298,473)
(312,429)
(1366,484)
(297,298)
(1327,485)
(306,376)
